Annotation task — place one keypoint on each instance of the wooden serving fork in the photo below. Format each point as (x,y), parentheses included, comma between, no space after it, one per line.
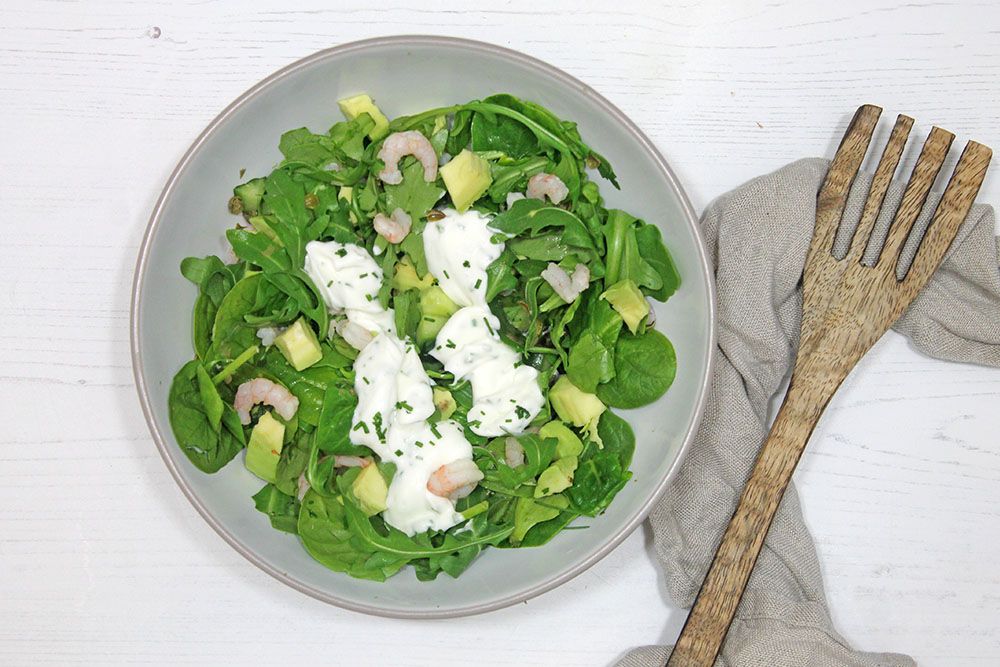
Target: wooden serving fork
(847,306)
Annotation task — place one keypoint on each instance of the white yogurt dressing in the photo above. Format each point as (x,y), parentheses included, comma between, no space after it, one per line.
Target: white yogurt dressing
(459,247)
(394,392)
(506,395)
(349,280)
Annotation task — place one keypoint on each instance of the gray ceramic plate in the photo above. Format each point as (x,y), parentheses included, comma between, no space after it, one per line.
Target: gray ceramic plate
(405,75)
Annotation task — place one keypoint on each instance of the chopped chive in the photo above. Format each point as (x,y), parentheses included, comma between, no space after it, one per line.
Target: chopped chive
(399,452)
(466,264)
(361,426)
(418,443)
(446,274)
(342,253)
(365,378)
(522,412)
(492,333)
(479,281)
(403,405)
(450,344)
(435,431)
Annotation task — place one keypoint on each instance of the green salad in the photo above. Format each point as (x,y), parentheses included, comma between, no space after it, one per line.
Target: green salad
(420,335)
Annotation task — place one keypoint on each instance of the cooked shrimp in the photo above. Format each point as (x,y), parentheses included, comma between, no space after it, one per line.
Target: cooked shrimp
(568,288)
(542,185)
(262,390)
(341,461)
(651,317)
(412,143)
(513,197)
(303,486)
(394,228)
(513,452)
(268,334)
(455,480)
(355,335)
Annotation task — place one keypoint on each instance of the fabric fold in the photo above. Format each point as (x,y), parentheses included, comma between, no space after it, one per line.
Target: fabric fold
(758,236)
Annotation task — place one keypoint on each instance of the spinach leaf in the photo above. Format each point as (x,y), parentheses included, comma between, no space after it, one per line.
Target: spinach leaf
(230,332)
(603,471)
(645,366)
(529,512)
(500,133)
(652,250)
(326,535)
(208,437)
(623,260)
(302,297)
(334,428)
(301,145)
(414,195)
(214,279)
(590,362)
(282,509)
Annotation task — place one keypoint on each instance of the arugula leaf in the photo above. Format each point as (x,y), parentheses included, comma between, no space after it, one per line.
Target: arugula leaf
(414,195)
(500,133)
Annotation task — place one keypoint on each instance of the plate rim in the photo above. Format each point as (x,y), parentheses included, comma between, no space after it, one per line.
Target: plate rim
(139,275)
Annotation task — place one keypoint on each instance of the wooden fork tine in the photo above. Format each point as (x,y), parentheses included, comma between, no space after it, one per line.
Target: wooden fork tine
(822,271)
(880,186)
(951,212)
(925,172)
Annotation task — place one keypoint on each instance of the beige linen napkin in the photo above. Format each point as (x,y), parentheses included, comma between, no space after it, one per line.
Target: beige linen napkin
(757,236)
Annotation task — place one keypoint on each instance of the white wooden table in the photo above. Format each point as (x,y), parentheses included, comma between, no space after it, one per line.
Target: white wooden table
(101,558)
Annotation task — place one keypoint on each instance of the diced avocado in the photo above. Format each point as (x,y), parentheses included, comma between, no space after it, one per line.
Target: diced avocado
(371,490)
(433,301)
(625,297)
(250,194)
(577,407)
(264,448)
(299,345)
(345,192)
(352,107)
(405,277)
(557,477)
(467,176)
(574,405)
(444,402)
(569,443)
(428,328)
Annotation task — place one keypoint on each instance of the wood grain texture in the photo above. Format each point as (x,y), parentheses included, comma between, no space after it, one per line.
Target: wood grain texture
(103,561)
(846,311)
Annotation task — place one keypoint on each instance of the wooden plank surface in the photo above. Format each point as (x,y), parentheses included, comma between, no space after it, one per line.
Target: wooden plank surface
(103,561)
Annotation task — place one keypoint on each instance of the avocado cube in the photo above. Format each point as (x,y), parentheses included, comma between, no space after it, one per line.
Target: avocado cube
(264,448)
(625,297)
(352,107)
(574,405)
(557,477)
(569,442)
(467,176)
(371,490)
(434,302)
(444,402)
(299,345)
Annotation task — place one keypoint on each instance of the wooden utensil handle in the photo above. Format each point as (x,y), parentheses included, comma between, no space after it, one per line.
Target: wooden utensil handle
(713,610)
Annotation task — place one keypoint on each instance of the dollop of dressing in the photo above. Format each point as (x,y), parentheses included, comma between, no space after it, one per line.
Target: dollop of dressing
(394,402)
(394,393)
(459,248)
(349,280)
(506,395)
